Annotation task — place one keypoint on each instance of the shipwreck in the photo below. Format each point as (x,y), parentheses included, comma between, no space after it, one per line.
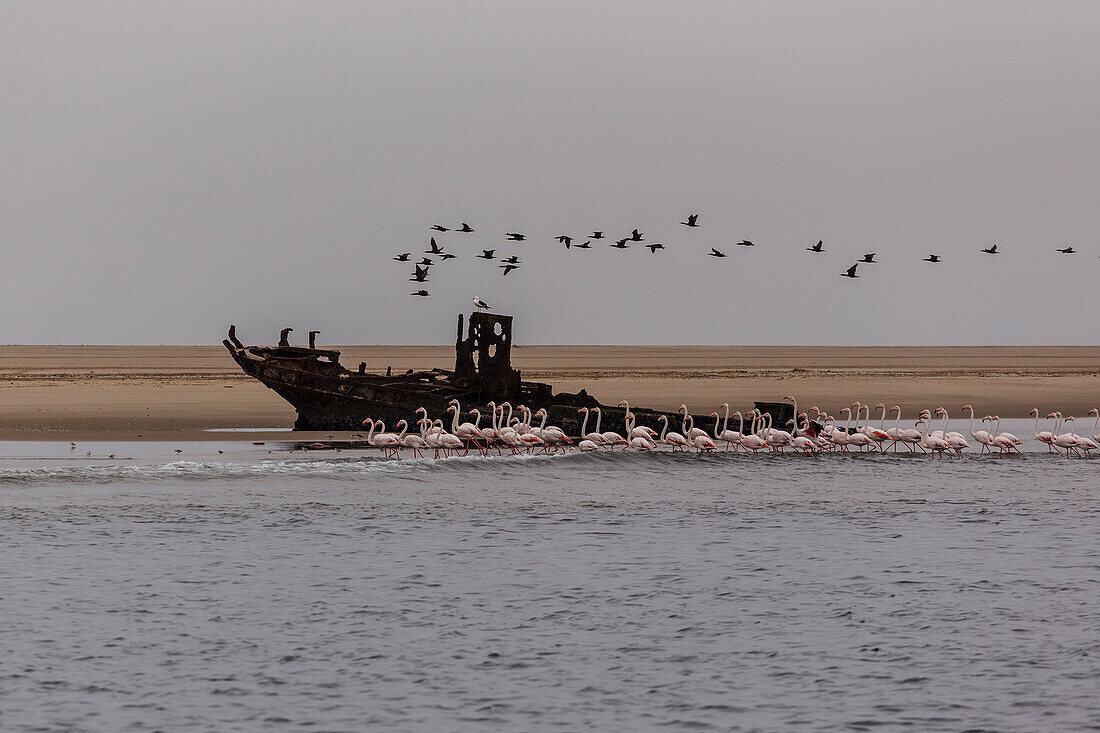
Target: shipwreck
(328,396)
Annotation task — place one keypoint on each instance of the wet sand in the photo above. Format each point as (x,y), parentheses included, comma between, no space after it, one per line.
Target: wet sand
(182,392)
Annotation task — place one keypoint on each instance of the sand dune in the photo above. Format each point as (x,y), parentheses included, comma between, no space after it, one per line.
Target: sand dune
(161,392)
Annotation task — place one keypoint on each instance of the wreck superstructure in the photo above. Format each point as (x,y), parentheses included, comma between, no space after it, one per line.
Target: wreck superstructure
(328,396)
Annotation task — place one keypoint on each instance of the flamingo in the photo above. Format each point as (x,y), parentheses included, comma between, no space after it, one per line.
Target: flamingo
(1044,436)
(489,434)
(957,442)
(638,442)
(675,440)
(801,442)
(554,436)
(752,441)
(610,438)
(387,442)
(636,432)
(466,431)
(841,438)
(701,442)
(908,436)
(776,439)
(931,442)
(1010,436)
(689,432)
(730,437)
(1083,443)
(413,441)
(1003,443)
(1067,441)
(982,436)
(856,436)
(1095,435)
(595,436)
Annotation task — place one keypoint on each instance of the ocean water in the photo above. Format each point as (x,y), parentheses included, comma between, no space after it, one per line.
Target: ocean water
(257,590)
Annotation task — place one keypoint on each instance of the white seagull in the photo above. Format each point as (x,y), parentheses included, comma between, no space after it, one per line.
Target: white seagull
(481,304)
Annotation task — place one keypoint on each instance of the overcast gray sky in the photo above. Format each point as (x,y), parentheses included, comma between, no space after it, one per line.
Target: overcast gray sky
(169,168)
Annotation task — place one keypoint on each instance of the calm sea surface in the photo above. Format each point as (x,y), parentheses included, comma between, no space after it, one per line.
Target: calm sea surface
(257,590)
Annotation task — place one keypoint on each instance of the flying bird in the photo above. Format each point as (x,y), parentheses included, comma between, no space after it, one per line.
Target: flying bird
(819,247)
(745,243)
(421,293)
(436,249)
(931,258)
(715,253)
(487,254)
(654,247)
(466,228)
(692,220)
(425,261)
(516,237)
(509,268)
(440,229)
(420,276)
(597,235)
(869,257)
(565,240)
(990,250)
(851,271)
(620,244)
(447,256)
(587,244)
(403,257)
(479,303)
(513,260)
(636,236)
(1068,251)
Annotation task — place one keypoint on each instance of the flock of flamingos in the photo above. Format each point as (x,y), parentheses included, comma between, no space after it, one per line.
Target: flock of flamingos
(810,435)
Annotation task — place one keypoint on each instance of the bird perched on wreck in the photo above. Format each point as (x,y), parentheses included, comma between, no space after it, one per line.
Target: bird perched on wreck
(851,271)
(480,304)
(693,221)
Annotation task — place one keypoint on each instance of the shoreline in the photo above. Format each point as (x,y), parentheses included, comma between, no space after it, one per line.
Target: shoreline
(151,393)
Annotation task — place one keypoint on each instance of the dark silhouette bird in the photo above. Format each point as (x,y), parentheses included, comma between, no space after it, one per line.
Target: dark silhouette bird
(819,247)
(447,256)
(597,235)
(932,258)
(565,240)
(654,247)
(425,261)
(436,249)
(636,236)
(516,237)
(509,268)
(587,244)
(869,257)
(439,228)
(851,271)
(487,254)
(420,276)
(513,260)
(466,228)
(620,244)
(479,303)
(692,220)
(990,250)
(421,293)
(403,257)
(1068,251)
(715,253)
(745,243)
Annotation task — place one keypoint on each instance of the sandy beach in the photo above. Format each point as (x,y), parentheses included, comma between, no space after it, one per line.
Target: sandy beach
(183,392)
